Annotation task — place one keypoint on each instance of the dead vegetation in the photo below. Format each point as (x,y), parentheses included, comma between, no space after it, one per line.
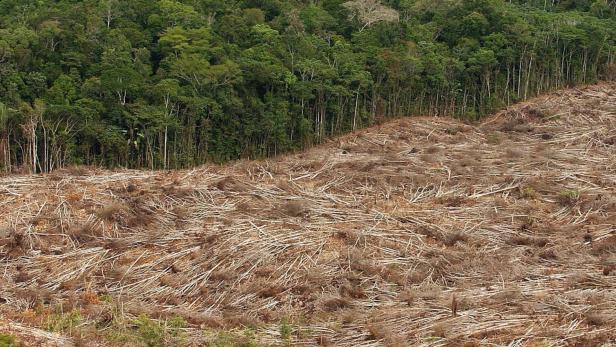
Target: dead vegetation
(424,231)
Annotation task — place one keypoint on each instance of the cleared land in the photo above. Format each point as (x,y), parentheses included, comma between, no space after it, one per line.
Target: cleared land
(423,231)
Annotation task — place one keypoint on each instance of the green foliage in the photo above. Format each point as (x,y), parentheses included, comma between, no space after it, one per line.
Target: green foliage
(225,339)
(64,322)
(7,340)
(285,331)
(151,332)
(177,83)
(528,193)
(156,334)
(175,326)
(106,298)
(568,197)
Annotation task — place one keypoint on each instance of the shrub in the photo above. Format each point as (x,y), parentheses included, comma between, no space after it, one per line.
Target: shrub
(175,326)
(8,341)
(285,330)
(150,332)
(154,333)
(528,193)
(63,322)
(229,340)
(568,197)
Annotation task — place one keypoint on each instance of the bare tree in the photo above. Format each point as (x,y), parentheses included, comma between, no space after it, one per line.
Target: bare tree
(34,117)
(110,11)
(370,12)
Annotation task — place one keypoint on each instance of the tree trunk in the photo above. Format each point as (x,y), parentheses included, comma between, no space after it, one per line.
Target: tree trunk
(165,147)
(356,107)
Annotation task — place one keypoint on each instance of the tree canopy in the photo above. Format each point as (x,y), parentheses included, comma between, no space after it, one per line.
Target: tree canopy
(177,83)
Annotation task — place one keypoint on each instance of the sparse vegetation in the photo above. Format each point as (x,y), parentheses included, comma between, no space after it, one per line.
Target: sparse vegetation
(529,193)
(234,340)
(568,197)
(63,322)
(151,332)
(7,340)
(285,331)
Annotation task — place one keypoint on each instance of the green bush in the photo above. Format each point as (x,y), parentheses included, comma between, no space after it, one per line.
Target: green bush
(7,340)
(151,332)
(528,193)
(63,322)
(285,331)
(569,197)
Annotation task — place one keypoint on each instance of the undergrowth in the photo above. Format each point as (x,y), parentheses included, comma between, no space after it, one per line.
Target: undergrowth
(7,340)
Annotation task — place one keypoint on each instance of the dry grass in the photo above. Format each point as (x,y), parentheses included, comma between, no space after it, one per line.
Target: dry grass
(434,233)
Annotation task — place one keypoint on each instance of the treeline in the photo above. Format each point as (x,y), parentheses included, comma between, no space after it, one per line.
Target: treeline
(170,84)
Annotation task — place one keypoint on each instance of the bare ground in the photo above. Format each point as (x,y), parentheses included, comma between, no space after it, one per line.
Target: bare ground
(423,231)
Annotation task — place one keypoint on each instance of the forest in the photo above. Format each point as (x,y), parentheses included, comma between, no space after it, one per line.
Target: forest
(172,84)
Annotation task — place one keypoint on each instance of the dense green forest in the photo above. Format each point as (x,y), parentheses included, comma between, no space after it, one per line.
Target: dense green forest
(177,83)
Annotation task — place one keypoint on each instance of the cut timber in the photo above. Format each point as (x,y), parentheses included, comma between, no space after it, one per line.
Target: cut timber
(423,231)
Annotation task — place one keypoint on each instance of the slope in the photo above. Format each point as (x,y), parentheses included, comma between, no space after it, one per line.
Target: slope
(422,231)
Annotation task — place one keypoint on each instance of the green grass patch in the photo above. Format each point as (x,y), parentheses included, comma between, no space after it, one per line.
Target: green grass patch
(7,340)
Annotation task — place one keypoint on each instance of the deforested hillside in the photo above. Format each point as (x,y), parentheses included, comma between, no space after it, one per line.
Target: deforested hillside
(423,231)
